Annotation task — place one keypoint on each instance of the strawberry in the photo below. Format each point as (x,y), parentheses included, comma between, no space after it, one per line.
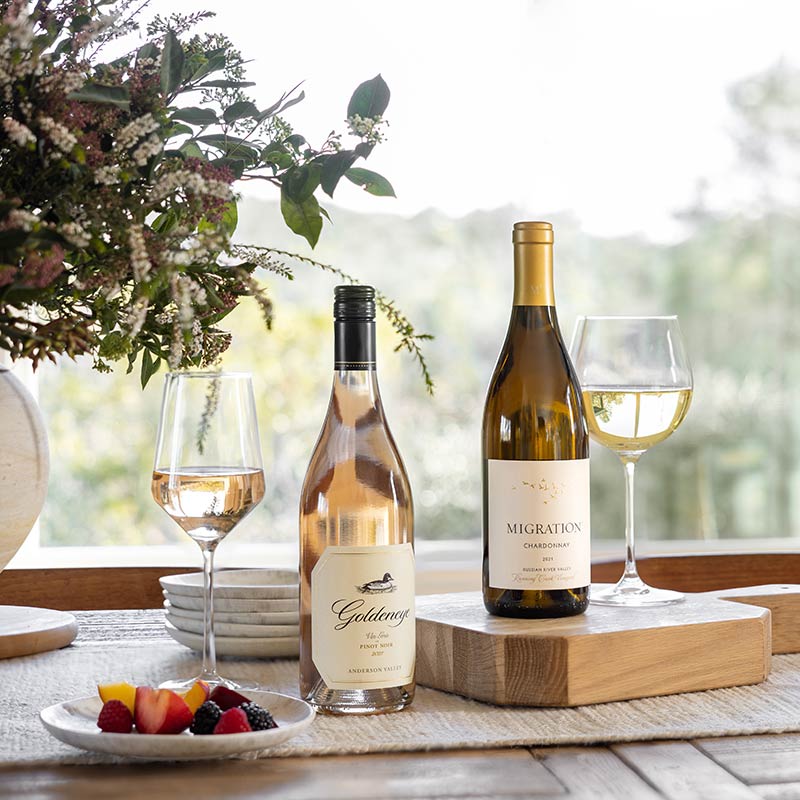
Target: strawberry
(234,720)
(226,698)
(115,717)
(161,711)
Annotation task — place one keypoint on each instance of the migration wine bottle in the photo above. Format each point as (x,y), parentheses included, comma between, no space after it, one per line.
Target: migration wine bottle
(536,551)
(357,628)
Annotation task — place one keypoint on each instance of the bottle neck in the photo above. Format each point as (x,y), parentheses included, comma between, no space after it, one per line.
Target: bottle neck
(533,274)
(354,345)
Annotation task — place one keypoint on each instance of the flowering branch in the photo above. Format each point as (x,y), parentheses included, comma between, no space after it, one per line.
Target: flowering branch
(117,200)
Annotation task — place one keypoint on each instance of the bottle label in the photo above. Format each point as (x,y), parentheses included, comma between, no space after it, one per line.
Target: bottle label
(363,633)
(538,520)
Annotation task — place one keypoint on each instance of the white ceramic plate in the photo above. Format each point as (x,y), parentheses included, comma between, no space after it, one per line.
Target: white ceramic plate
(246,647)
(252,618)
(75,723)
(241,584)
(229,629)
(190,603)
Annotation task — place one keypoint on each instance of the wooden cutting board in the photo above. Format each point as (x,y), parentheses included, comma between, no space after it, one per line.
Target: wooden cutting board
(606,654)
(25,630)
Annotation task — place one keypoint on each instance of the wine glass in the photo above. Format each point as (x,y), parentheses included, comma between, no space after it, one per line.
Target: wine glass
(208,475)
(637,386)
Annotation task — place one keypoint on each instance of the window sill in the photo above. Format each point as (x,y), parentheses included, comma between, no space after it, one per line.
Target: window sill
(453,554)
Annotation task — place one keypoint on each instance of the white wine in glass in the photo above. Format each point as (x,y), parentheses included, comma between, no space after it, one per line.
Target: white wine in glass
(208,476)
(637,387)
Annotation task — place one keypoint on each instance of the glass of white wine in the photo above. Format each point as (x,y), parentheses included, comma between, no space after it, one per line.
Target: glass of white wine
(208,475)
(637,386)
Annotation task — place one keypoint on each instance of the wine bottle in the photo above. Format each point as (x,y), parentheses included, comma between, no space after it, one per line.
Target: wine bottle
(536,550)
(357,627)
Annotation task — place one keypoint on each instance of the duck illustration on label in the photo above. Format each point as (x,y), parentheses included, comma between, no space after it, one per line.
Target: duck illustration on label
(380,586)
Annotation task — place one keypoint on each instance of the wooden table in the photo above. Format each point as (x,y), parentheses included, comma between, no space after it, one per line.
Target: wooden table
(735,768)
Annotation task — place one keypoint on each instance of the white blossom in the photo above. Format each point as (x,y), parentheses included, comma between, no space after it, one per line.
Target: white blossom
(137,316)
(107,176)
(194,182)
(368,128)
(58,134)
(196,347)
(140,260)
(20,134)
(176,348)
(75,234)
(135,131)
(20,218)
(152,146)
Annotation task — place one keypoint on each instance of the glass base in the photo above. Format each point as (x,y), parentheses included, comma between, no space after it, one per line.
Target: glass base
(634,593)
(184,684)
(354,701)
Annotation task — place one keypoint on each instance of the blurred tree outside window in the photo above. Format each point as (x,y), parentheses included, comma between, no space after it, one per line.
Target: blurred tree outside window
(732,471)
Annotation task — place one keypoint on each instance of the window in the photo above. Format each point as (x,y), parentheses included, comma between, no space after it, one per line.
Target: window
(663,144)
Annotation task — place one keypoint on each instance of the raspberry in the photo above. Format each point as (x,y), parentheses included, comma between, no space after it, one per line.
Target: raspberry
(259,718)
(205,718)
(234,720)
(115,717)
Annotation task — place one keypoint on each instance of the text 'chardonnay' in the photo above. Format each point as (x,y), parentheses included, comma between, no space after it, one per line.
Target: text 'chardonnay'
(357,626)
(536,547)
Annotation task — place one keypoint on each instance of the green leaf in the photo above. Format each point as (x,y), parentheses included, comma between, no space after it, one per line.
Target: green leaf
(149,367)
(97,93)
(236,165)
(370,181)
(302,218)
(230,217)
(295,141)
(301,182)
(171,64)
(148,50)
(225,84)
(370,99)
(195,116)
(282,104)
(240,110)
(334,168)
(191,150)
(216,61)
(178,130)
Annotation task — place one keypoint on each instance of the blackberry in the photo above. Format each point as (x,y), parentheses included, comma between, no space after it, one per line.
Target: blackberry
(205,718)
(259,718)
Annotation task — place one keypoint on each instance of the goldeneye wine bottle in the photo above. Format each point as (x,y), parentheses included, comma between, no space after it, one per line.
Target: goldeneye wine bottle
(357,628)
(536,550)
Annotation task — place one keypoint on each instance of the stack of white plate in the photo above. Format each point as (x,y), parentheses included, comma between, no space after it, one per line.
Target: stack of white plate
(255,611)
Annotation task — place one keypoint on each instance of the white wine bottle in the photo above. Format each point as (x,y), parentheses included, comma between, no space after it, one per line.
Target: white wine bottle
(357,626)
(536,549)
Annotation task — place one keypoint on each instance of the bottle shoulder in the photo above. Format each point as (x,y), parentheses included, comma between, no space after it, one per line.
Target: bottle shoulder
(363,456)
(534,407)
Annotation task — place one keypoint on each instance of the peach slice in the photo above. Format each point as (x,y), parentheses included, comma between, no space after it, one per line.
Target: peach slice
(196,696)
(123,692)
(161,711)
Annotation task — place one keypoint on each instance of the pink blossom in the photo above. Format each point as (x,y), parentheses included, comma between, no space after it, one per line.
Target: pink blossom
(41,269)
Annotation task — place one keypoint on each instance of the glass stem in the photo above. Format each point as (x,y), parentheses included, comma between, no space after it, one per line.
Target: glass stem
(209,671)
(631,573)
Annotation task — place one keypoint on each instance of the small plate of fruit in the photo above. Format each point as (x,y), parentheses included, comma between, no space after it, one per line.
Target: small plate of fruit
(143,722)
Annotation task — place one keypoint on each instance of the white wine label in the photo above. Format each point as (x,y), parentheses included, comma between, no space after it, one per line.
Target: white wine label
(539,524)
(363,633)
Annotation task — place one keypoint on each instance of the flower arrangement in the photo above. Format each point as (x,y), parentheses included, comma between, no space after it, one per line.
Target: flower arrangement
(117,200)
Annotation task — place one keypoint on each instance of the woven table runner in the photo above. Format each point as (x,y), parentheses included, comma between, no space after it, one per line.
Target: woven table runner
(132,646)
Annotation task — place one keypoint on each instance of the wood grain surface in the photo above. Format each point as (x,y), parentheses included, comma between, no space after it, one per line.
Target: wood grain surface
(603,655)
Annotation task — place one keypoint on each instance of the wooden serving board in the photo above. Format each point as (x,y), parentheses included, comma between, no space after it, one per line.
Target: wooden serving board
(25,630)
(606,654)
